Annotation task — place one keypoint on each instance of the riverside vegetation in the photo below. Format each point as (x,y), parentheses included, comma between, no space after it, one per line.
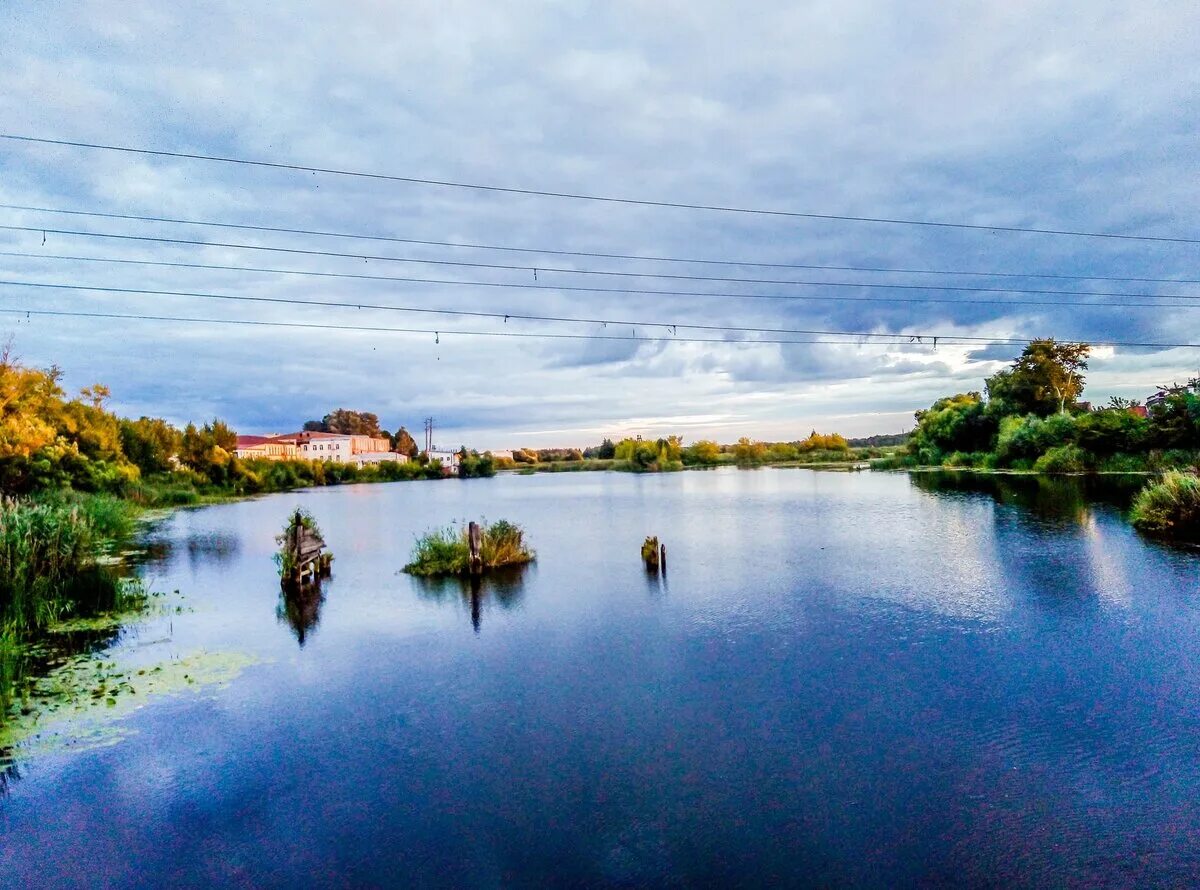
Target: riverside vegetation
(447,551)
(74,479)
(1031,418)
(670,454)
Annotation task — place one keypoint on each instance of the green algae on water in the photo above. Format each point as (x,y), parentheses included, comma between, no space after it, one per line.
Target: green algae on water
(79,705)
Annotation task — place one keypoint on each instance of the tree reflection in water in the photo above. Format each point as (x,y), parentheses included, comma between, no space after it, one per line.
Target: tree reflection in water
(300,608)
(505,587)
(1062,500)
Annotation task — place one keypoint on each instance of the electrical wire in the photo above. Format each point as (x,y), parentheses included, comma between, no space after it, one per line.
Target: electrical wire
(546,251)
(541,193)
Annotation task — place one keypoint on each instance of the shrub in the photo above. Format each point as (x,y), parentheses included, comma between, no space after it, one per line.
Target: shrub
(1169,508)
(1062,459)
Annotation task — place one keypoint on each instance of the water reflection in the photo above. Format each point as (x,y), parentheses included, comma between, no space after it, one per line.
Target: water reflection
(202,548)
(300,609)
(1063,500)
(505,587)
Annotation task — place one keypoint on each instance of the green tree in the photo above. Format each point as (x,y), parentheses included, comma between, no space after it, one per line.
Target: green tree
(352,423)
(150,443)
(1043,380)
(958,423)
(405,443)
(702,453)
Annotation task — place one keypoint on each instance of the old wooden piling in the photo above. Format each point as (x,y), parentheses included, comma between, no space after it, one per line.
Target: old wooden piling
(305,558)
(475,540)
(651,554)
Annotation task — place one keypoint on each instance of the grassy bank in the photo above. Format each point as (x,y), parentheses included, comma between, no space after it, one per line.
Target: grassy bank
(1169,508)
(56,566)
(446,551)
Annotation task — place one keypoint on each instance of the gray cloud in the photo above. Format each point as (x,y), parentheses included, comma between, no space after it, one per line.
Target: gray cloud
(1036,114)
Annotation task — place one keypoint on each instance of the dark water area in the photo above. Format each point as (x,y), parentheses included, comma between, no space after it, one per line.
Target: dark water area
(866,679)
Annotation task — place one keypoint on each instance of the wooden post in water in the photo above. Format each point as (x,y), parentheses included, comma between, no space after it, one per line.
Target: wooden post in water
(475,539)
(662,558)
(307,553)
(651,554)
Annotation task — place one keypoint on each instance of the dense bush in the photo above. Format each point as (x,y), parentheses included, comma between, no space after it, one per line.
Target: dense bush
(1062,459)
(956,423)
(1169,508)
(1022,440)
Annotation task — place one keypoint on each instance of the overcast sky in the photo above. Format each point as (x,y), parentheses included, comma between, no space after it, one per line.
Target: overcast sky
(1061,115)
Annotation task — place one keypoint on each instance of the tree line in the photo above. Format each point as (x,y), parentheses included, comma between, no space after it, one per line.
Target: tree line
(1031,416)
(50,440)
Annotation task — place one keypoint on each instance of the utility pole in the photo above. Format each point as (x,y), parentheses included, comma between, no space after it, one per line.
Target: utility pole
(428,434)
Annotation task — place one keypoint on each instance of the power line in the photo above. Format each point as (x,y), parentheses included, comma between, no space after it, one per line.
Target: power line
(677,205)
(898,339)
(462,313)
(234,245)
(442,281)
(546,251)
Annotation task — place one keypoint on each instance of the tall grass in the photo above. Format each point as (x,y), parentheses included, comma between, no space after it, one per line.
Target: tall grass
(49,561)
(446,551)
(1169,508)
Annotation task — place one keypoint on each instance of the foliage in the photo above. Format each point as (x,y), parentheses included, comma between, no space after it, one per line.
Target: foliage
(50,565)
(606,450)
(704,453)
(880,441)
(447,551)
(404,443)
(1169,508)
(1176,418)
(644,456)
(351,423)
(472,464)
(955,423)
(1062,459)
(1044,379)
(1022,440)
(150,443)
(818,442)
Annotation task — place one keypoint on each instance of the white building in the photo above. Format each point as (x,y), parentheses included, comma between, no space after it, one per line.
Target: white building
(343,448)
(449,459)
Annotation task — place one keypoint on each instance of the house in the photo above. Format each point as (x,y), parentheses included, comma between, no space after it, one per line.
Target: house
(265,448)
(449,460)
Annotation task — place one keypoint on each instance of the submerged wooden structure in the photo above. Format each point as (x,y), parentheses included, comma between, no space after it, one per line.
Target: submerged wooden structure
(304,558)
(654,555)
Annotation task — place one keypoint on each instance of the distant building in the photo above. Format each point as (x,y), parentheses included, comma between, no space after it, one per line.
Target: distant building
(449,459)
(311,445)
(265,448)
(1139,411)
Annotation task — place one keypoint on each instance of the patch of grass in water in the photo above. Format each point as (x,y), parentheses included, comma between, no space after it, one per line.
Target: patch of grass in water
(447,551)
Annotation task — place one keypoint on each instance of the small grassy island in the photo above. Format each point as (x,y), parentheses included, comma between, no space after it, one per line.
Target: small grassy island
(1169,508)
(447,551)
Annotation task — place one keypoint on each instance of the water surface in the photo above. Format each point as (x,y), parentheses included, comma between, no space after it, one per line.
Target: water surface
(844,678)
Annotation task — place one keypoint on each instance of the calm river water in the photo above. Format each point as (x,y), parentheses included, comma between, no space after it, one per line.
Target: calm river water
(844,679)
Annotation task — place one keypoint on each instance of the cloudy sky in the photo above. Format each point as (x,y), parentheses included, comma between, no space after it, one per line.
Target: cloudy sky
(1080,116)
